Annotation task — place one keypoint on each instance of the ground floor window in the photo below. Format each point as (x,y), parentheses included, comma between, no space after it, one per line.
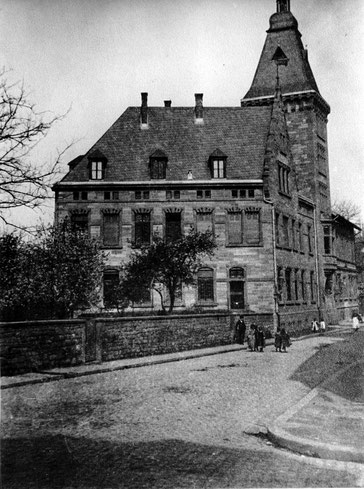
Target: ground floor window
(237,283)
(110,282)
(205,285)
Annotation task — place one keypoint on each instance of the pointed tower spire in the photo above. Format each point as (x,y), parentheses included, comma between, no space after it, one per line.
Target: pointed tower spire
(282,36)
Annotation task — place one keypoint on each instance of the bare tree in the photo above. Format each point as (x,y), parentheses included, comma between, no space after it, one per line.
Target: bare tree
(23,181)
(347,209)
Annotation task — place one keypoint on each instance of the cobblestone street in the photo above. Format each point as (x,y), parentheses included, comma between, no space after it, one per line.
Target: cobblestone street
(181,424)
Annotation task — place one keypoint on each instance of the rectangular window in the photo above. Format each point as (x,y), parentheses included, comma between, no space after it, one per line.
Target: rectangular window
(80,222)
(205,285)
(327,240)
(243,193)
(158,169)
(285,223)
(76,195)
(277,228)
(309,238)
(142,229)
(312,286)
(107,195)
(293,234)
(204,221)
(97,171)
(203,194)
(283,179)
(111,229)
(177,194)
(110,282)
(234,194)
(300,240)
(288,284)
(251,193)
(141,194)
(235,231)
(218,168)
(296,284)
(303,285)
(252,231)
(173,226)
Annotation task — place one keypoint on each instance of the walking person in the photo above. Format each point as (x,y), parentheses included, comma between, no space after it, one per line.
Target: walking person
(286,340)
(278,340)
(240,329)
(314,326)
(252,338)
(260,339)
(355,322)
(322,326)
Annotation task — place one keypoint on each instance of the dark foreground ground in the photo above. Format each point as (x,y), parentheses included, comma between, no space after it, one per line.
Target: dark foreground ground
(183,424)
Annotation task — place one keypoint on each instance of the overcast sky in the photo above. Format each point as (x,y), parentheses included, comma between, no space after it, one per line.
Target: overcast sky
(96,56)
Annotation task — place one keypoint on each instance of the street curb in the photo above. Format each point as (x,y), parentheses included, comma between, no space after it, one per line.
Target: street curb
(279,436)
(146,363)
(104,369)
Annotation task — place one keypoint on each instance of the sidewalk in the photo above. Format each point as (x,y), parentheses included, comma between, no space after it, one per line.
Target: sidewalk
(326,423)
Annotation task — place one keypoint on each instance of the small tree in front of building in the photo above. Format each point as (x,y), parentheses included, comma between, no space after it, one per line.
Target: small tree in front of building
(165,267)
(49,276)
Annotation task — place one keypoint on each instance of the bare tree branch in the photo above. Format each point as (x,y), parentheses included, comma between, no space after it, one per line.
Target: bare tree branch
(24,182)
(347,209)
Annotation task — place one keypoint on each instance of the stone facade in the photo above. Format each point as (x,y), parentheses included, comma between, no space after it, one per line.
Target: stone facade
(257,175)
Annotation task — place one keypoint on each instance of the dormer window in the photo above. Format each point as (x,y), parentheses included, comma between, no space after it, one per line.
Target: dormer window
(97,165)
(97,170)
(218,164)
(158,165)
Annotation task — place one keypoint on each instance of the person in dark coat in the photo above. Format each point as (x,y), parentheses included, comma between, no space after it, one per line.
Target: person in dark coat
(278,340)
(240,329)
(286,341)
(260,338)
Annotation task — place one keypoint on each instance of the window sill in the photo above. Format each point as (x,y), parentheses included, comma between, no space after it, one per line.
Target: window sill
(110,247)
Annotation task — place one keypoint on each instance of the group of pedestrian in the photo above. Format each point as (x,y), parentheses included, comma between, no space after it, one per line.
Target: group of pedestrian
(256,337)
(318,327)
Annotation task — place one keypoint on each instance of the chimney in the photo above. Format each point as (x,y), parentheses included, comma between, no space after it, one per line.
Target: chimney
(144,109)
(167,103)
(198,108)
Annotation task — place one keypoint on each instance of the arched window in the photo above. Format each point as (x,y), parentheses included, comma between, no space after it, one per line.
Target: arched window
(237,288)
(205,285)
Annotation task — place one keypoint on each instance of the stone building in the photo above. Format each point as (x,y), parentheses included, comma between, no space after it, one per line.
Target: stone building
(256,174)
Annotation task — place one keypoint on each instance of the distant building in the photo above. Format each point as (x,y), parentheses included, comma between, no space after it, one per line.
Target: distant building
(256,174)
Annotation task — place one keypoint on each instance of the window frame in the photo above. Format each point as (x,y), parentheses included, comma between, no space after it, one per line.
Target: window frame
(142,228)
(201,282)
(238,279)
(105,216)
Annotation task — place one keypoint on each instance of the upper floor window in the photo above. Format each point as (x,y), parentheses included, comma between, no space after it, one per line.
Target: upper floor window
(142,195)
(111,228)
(80,195)
(283,178)
(79,221)
(252,227)
(235,228)
(200,194)
(142,228)
(204,220)
(218,164)
(97,171)
(97,165)
(327,240)
(173,226)
(158,165)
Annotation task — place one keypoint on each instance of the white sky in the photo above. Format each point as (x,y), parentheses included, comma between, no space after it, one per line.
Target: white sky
(96,56)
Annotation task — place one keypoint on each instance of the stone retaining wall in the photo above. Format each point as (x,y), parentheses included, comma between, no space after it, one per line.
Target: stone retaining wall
(40,345)
(37,345)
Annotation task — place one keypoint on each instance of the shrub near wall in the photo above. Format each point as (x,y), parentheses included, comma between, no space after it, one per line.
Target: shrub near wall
(37,345)
(152,335)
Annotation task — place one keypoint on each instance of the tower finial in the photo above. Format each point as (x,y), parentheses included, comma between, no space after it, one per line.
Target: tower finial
(283,6)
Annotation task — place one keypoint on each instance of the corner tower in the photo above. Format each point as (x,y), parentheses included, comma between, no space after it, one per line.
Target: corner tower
(306,109)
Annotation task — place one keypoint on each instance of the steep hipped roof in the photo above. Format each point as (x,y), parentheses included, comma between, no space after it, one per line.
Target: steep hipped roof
(239,132)
(297,76)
